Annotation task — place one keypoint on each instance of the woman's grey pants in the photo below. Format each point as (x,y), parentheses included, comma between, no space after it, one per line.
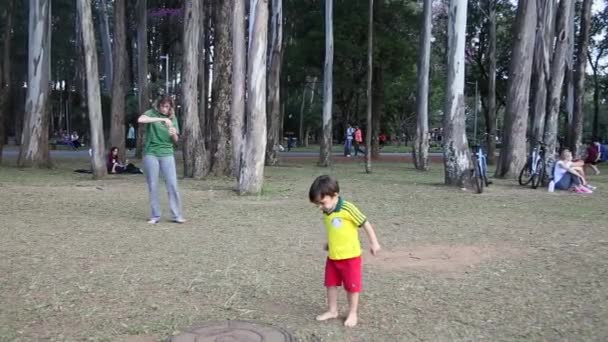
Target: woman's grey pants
(166,165)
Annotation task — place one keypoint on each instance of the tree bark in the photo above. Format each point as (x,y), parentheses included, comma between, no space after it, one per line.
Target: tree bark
(106,45)
(220,149)
(457,159)
(202,110)
(93,94)
(490,110)
(274,84)
(421,145)
(569,77)
(558,67)
(325,155)
(34,149)
(576,128)
(193,143)
(513,151)
(142,69)
(119,89)
(377,109)
(239,69)
(5,72)
(370,74)
(596,93)
(542,65)
(251,179)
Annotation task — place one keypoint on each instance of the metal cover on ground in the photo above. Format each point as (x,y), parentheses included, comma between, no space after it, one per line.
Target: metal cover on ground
(233,331)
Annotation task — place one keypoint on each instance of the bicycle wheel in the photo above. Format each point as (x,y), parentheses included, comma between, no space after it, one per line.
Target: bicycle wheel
(525,175)
(537,178)
(478,177)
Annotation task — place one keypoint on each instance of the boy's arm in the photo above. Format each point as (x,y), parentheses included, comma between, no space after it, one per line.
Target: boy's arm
(374,246)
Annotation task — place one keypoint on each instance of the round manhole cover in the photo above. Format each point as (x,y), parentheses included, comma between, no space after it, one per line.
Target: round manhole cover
(233,331)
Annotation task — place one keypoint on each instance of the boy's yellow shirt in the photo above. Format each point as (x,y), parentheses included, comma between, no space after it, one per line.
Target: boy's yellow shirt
(342,231)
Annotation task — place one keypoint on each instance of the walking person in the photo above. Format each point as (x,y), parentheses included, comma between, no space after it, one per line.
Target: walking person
(162,133)
(358,141)
(348,142)
(131,137)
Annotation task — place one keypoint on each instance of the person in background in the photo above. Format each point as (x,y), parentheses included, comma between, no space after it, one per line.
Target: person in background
(348,142)
(75,140)
(358,141)
(115,166)
(594,155)
(566,177)
(131,137)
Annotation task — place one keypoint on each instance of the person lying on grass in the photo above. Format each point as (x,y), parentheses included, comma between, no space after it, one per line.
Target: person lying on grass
(343,266)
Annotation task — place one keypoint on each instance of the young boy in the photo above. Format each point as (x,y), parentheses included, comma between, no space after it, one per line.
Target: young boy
(343,266)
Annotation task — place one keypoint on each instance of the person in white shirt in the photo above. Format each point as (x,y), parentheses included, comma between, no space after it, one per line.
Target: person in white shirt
(566,177)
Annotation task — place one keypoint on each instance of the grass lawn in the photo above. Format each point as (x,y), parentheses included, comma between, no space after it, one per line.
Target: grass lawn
(78,261)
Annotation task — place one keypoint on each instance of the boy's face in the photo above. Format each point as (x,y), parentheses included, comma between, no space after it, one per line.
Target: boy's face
(327,203)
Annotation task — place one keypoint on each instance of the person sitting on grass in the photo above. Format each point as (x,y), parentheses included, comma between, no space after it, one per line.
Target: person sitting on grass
(566,177)
(115,166)
(343,266)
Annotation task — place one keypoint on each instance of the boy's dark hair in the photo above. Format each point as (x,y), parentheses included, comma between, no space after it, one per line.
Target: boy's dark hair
(323,186)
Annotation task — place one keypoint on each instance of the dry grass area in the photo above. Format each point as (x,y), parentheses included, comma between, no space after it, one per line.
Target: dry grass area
(78,262)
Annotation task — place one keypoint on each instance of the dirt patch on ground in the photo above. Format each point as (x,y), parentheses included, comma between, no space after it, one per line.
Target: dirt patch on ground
(440,257)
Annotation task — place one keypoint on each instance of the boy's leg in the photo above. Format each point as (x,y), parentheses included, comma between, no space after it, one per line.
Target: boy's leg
(352,285)
(332,281)
(353,304)
(332,304)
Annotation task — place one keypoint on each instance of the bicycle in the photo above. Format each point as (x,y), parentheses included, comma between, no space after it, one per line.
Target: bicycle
(534,169)
(480,169)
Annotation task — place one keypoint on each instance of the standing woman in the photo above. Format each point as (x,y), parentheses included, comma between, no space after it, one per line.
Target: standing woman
(162,133)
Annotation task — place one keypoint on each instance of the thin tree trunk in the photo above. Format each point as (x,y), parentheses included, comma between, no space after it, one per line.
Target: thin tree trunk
(252,167)
(421,146)
(34,149)
(596,93)
(274,84)
(490,112)
(220,149)
(142,69)
(301,126)
(239,69)
(456,156)
(569,77)
(513,151)
(119,89)
(5,72)
(377,109)
(558,67)
(193,143)
(202,110)
(370,74)
(93,93)
(576,128)
(106,45)
(325,155)
(542,65)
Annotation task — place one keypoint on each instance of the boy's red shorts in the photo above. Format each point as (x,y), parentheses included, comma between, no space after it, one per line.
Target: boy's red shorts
(345,272)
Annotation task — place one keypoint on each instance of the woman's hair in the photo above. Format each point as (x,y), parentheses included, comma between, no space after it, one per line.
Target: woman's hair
(113,148)
(165,100)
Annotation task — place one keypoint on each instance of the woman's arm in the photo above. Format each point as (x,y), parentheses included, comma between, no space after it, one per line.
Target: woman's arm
(174,135)
(144,119)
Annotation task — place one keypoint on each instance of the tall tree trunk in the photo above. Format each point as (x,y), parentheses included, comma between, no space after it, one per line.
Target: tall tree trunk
(490,112)
(370,74)
(5,72)
(569,77)
(576,128)
(34,149)
(252,167)
(119,84)
(193,143)
(513,151)
(202,110)
(221,151)
(93,94)
(558,67)
(274,84)
(456,156)
(106,45)
(302,106)
(325,155)
(542,65)
(239,69)
(142,69)
(596,94)
(421,145)
(377,108)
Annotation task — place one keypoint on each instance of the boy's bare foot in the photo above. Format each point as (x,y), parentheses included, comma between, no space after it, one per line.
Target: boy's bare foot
(351,320)
(327,315)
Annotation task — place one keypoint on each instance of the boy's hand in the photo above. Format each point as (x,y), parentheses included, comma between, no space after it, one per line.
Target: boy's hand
(374,249)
